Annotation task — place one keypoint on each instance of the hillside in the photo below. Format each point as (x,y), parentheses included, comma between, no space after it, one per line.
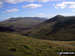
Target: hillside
(17,45)
(20,23)
(56,28)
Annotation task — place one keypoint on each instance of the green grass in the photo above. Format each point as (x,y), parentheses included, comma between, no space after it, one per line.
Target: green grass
(17,45)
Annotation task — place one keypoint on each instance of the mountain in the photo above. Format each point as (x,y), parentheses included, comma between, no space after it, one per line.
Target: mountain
(20,23)
(56,28)
(46,32)
(17,45)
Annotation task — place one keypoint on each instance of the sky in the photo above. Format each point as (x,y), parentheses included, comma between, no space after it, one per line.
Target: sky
(36,8)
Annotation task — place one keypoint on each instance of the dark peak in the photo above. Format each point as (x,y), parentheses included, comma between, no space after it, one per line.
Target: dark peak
(56,18)
(59,16)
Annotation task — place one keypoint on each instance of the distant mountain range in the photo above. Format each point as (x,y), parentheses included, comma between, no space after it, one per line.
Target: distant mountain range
(20,23)
(56,28)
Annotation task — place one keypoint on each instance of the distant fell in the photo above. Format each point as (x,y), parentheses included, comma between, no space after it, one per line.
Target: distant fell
(21,23)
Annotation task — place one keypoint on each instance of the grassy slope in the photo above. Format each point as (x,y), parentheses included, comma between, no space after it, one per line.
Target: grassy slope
(17,45)
(56,28)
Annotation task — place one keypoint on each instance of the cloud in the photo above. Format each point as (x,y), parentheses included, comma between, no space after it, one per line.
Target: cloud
(69,14)
(43,0)
(47,0)
(11,10)
(41,14)
(17,1)
(32,6)
(65,5)
(1,3)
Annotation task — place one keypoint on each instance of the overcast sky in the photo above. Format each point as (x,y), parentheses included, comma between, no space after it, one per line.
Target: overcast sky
(36,8)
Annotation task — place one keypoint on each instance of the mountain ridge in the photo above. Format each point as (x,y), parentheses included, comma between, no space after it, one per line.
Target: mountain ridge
(21,23)
(56,28)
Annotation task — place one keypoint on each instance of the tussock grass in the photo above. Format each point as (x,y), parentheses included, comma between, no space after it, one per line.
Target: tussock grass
(17,45)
